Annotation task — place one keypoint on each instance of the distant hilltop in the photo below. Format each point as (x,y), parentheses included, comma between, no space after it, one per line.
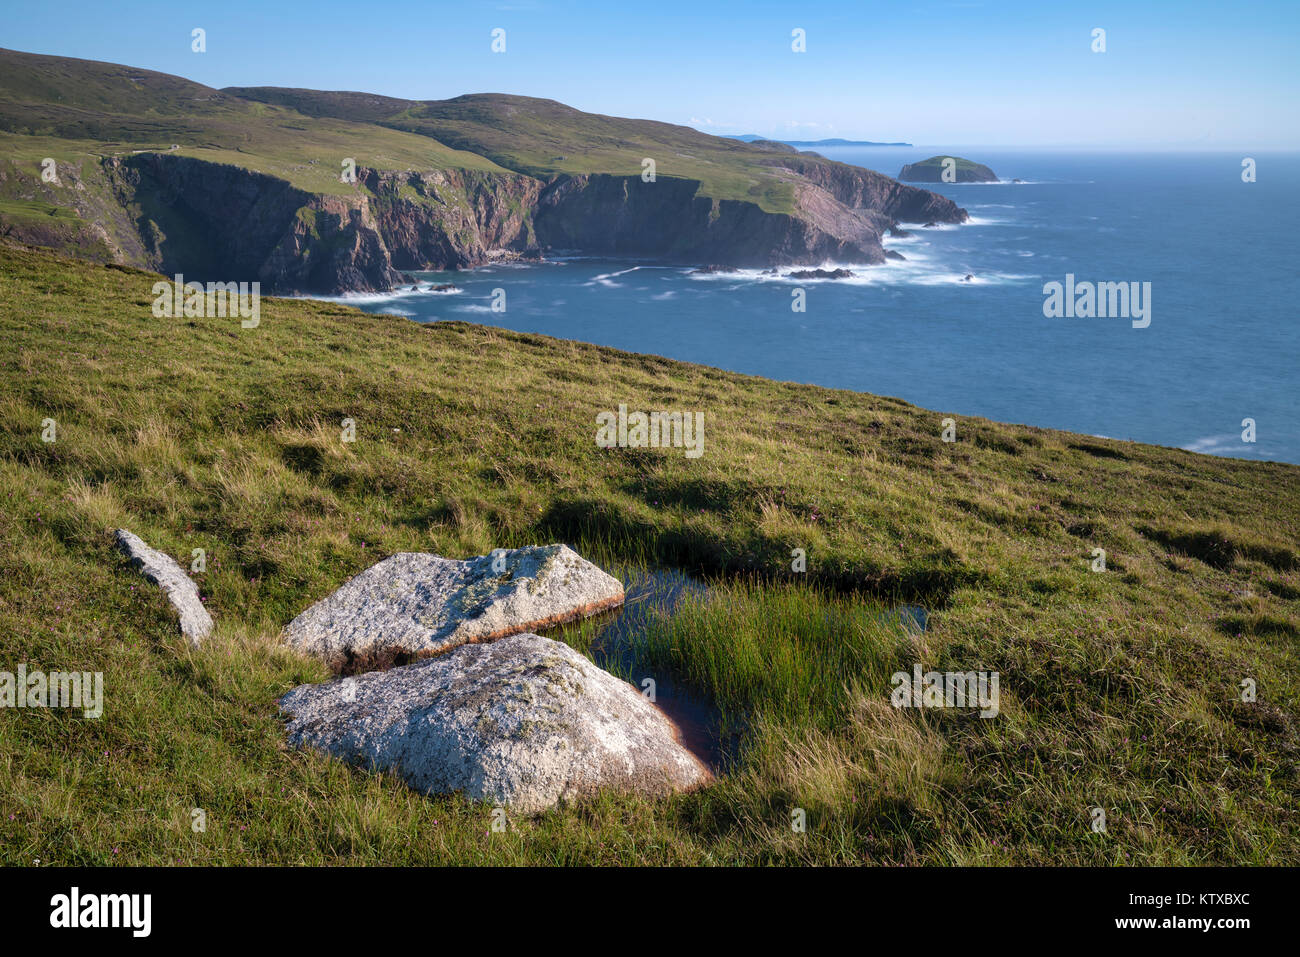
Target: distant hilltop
(751,137)
(932,171)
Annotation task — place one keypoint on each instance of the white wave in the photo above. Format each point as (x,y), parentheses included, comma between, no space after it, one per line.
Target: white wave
(473,307)
(606,279)
(1000,182)
(1225,444)
(748,275)
(916,270)
(419,290)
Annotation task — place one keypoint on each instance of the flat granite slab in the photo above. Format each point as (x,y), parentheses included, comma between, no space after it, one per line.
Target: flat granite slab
(412,604)
(523,722)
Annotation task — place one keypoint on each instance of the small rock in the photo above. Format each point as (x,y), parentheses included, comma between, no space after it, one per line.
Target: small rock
(890,254)
(820,274)
(524,721)
(414,604)
(167,574)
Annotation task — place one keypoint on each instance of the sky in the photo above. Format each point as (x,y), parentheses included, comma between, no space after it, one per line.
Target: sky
(1174,75)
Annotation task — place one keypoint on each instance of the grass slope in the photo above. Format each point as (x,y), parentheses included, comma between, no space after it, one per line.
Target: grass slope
(91,109)
(1118,689)
(543,138)
(73,109)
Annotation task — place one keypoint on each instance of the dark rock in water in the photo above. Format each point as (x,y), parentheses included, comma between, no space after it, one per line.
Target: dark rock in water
(930,225)
(1017,181)
(167,574)
(932,171)
(414,604)
(445,287)
(967,278)
(820,274)
(711,270)
(898,232)
(524,722)
(890,254)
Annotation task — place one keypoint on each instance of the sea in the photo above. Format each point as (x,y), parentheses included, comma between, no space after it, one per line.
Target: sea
(1216,370)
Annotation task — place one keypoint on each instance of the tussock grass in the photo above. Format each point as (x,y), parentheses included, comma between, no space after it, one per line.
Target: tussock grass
(1119,689)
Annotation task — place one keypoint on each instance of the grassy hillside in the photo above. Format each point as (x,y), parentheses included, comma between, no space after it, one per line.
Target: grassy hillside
(1118,689)
(544,138)
(73,109)
(303,135)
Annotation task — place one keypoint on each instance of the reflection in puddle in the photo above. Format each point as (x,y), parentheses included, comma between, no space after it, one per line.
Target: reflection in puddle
(911,618)
(613,640)
(614,648)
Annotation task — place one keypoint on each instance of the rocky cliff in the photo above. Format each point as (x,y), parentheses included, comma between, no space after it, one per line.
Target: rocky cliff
(211,221)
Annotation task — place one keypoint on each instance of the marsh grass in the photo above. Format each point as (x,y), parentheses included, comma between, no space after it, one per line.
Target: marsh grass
(792,654)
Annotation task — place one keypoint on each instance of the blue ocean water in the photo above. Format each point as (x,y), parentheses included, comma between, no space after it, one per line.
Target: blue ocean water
(1221,256)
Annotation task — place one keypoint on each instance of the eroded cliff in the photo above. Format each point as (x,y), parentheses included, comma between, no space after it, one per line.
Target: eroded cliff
(212,221)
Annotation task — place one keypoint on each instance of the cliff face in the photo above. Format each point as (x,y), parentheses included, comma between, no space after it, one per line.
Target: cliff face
(452,219)
(863,188)
(667,219)
(223,222)
(214,222)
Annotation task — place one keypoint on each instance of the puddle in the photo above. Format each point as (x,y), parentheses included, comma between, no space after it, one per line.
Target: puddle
(614,641)
(911,618)
(615,637)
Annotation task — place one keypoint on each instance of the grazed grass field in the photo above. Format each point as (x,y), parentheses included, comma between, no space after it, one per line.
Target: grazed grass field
(1118,689)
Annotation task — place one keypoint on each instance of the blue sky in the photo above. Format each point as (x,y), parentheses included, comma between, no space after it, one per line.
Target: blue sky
(1174,75)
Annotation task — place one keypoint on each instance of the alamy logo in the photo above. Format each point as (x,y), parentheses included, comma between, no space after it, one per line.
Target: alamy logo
(1101,300)
(655,430)
(946,689)
(218,300)
(74,910)
(58,689)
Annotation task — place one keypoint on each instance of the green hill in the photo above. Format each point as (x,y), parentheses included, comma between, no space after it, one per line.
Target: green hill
(543,138)
(104,109)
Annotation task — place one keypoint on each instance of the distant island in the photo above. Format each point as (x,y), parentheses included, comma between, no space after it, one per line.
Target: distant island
(931,171)
(751,137)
